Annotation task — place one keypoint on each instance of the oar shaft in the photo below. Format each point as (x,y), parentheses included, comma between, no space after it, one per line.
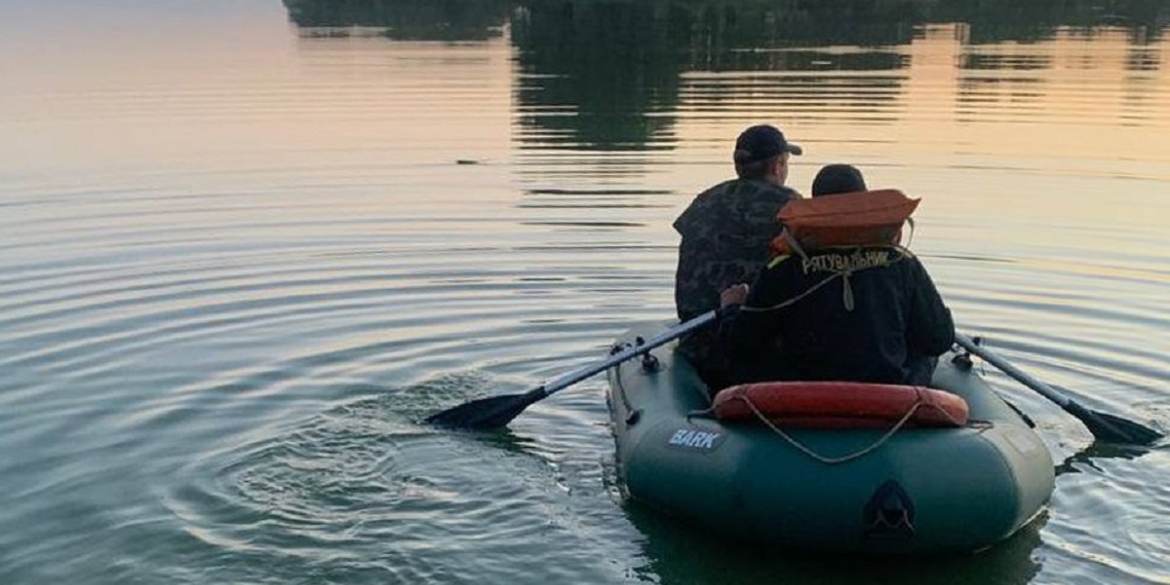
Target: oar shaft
(1048,391)
(566,380)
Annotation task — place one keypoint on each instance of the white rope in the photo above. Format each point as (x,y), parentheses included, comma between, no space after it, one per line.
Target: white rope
(847,291)
(836,460)
(847,294)
(793,300)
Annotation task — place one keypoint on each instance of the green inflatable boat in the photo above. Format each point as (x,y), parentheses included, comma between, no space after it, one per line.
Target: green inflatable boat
(897,490)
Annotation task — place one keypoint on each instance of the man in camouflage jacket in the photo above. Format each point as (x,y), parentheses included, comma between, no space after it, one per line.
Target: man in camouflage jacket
(726,233)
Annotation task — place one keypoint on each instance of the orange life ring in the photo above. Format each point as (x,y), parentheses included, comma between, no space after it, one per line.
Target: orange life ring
(841,405)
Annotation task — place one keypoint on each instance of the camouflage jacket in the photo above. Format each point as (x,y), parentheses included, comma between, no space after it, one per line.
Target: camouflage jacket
(726,233)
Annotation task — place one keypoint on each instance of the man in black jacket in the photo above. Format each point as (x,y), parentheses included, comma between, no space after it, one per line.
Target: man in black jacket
(866,313)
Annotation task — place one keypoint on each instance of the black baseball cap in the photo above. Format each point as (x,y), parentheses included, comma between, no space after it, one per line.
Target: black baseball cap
(762,142)
(836,179)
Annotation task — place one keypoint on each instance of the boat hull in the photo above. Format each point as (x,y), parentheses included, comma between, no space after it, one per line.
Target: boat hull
(913,491)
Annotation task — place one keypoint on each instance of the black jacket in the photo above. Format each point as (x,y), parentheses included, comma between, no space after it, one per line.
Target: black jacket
(859,314)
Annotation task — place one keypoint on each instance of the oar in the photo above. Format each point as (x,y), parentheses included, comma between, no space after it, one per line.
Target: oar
(498,411)
(1105,427)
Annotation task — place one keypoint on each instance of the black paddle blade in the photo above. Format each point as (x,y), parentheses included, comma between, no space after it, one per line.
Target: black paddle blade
(1113,429)
(486,414)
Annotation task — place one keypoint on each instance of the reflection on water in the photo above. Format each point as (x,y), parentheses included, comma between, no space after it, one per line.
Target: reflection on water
(598,76)
(760,23)
(611,91)
(439,20)
(239,261)
(613,75)
(678,555)
(993,21)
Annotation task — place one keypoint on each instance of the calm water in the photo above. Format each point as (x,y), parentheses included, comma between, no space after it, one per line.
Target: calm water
(245,247)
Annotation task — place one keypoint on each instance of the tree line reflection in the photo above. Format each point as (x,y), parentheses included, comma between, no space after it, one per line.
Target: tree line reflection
(440,20)
(775,22)
(607,74)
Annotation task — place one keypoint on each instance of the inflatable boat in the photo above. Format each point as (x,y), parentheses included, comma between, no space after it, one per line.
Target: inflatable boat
(883,470)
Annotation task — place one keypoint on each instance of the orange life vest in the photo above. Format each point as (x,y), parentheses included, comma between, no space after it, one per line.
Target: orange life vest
(862,218)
